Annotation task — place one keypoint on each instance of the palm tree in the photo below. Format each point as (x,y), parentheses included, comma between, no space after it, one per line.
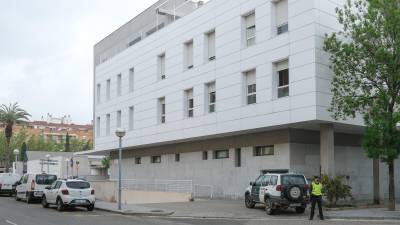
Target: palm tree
(10,115)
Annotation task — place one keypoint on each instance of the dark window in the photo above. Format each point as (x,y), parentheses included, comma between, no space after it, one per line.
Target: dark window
(283,28)
(205,155)
(156,159)
(138,160)
(274,180)
(221,154)
(177,157)
(78,185)
(263,150)
(238,157)
(283,83)
(292,179)
(45,179)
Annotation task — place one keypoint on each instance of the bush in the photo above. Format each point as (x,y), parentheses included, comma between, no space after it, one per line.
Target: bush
(334,189)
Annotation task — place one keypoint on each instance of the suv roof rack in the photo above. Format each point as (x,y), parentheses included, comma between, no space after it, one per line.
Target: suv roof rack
(280,171)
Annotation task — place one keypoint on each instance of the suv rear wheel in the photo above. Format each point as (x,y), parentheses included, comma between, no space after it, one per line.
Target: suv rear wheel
(60,205)
(249,202)
(269,207)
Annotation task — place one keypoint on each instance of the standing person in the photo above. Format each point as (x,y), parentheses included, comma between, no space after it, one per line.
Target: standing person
(316,197)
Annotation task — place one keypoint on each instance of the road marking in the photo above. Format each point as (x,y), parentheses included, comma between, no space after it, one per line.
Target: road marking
(9,222)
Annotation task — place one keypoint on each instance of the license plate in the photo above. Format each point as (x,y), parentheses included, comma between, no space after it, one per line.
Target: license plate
(295,205)
(80,201)
(38,193)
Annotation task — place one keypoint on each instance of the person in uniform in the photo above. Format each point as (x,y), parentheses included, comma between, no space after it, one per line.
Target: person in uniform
(316,197)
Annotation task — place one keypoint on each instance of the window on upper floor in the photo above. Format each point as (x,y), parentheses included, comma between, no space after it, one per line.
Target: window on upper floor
(281,16)
(119,84)
(161,66)
(98,96)
(263,150)
(177,157)
(221,154)
(138,160)
(156,159)
(131,117)
(108,89)
(282,77)
(251,87)
(188,55)
(189,103)
(210,46)
(108,121)
(119,118)
(211,97)
(205,155)
(161,110)
(250,25)
(131,79)
(98,127)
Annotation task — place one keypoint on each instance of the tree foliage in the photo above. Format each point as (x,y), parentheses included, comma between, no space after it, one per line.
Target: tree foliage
(334,189)
(365,59)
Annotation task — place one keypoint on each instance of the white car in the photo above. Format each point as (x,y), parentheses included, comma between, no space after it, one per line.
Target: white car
(69,193)
(278,190)
(8,182)
(31,186)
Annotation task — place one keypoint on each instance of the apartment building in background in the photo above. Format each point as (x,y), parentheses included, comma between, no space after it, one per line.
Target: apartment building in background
(216,91)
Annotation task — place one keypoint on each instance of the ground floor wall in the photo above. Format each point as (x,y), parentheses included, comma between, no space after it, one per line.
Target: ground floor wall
(226,178)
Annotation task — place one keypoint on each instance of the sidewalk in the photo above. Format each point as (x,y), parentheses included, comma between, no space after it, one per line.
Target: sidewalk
(365,214)
(134,210)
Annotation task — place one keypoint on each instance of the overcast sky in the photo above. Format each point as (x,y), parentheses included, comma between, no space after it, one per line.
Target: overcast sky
(46,51)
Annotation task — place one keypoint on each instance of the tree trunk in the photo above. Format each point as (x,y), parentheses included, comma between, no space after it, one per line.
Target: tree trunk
(7,155)
(392,199)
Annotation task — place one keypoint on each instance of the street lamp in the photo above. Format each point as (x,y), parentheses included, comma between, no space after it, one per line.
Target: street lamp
(16,153)
(48,163)
(120,132)
(66,163)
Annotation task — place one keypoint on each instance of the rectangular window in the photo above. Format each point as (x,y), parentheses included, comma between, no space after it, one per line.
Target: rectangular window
(205,155)
(161,110)
(119,118)
(131,79)
(177,157)
(188,55)
(98,93)
(211,46)
(282,69)
(263,150)
(250,21)
(108,120)
(161,66)
(119,84)
(251,87)
(138,160)
(156,159)
(238,157)
(281,16)
(211,97)
(108,90)
(98,127)
(189,103)
(221,154)
(131,117)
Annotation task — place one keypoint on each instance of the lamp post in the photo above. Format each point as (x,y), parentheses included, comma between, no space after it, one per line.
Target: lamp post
(48,163)
(16,153)
(66,163)
(120,132)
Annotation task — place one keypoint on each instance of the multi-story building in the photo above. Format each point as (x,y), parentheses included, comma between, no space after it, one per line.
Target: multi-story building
(214,92)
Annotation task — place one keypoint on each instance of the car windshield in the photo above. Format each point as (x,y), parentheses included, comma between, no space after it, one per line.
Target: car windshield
(78,185)
(45,179)
(293,179)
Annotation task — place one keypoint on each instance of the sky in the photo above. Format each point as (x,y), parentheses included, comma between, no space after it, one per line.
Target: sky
(46,52)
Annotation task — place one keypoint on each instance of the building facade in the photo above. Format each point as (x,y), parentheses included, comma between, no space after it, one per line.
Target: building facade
(215,92)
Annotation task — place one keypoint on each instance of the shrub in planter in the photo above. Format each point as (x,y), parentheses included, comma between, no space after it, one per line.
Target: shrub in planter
(334,189)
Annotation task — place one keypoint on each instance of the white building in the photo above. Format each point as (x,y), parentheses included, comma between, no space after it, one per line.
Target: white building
(215,92)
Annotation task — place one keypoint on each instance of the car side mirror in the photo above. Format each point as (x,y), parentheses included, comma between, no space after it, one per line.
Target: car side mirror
(48,187)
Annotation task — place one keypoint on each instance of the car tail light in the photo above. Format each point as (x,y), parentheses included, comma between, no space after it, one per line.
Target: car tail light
(92,192)
(280,188)
(33,185)
(65,192)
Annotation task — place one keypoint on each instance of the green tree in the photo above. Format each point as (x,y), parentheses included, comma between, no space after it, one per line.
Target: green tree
(67,144)
(365,59)
(23,157)
(11,115)
(334,189)
(105,162)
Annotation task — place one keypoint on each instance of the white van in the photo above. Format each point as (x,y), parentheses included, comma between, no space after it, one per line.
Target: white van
(8,182)
(31,186)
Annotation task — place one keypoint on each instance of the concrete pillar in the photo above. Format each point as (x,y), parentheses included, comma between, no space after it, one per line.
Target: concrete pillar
(327,149)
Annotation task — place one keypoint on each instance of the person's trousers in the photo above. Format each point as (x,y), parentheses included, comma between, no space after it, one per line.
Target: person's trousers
(316,200)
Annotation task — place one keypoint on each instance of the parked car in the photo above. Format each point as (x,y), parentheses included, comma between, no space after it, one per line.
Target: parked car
(278,191)
(31,186)
(7,183)
(69,193)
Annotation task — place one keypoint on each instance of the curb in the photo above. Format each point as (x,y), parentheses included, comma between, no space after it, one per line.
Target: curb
(133,213)
(363,218)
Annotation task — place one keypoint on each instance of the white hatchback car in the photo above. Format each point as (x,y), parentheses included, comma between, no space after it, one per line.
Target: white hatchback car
(69,193)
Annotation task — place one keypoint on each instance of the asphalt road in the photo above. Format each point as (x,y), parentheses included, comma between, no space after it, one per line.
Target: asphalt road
(20,213)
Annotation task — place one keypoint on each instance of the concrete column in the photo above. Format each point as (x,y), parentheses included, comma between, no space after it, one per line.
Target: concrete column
(327,149)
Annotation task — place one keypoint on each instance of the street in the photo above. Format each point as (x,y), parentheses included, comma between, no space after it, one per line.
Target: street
(20,213)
